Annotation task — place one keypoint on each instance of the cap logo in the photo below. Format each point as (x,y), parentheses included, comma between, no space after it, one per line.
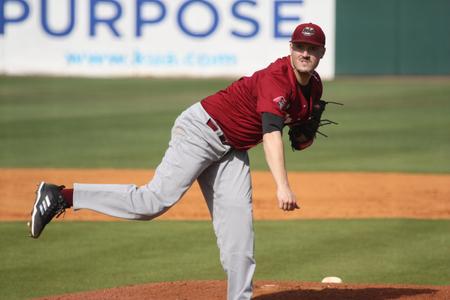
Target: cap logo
(308,31)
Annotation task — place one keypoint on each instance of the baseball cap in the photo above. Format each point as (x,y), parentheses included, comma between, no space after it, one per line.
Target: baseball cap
(308,33)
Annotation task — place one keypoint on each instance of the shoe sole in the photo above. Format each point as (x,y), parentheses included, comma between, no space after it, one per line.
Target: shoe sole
(35,210)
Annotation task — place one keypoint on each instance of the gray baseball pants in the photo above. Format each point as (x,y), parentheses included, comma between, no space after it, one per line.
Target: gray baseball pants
(195,153)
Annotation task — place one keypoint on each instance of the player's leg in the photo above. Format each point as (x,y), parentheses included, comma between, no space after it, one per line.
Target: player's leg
(182,163)
(193,147)
(226,186)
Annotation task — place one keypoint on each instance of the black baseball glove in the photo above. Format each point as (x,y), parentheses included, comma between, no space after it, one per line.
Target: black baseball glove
(303,133)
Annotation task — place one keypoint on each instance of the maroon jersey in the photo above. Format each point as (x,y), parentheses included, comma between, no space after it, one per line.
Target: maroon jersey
(238,108)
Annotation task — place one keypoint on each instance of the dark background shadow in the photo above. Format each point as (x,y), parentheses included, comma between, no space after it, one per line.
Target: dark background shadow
(347,294)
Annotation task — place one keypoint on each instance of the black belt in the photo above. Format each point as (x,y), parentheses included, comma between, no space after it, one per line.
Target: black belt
(221,136)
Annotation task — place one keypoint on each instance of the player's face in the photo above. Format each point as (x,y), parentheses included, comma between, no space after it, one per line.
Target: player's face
(306,57)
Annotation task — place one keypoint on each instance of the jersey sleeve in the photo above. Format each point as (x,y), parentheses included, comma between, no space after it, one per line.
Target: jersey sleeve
(271,96)
(271,122)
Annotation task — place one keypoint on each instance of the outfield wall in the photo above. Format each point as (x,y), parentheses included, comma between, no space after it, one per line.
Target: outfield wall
(154,37)
(396,37)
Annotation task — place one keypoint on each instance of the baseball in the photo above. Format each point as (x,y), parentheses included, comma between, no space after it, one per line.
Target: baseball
(332,279)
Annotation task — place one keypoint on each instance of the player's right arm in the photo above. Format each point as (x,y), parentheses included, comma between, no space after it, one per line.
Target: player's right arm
(274,153)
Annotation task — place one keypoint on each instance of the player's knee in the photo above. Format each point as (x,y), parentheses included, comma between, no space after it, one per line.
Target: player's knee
(151,214)
(237,261)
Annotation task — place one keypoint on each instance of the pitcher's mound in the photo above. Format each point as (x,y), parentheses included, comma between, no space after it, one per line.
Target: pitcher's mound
(264,290)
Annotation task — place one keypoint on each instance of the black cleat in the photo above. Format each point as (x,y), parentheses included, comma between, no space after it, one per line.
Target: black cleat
(49,203)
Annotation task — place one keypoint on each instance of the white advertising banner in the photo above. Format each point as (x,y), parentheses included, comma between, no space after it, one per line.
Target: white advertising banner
(195,38)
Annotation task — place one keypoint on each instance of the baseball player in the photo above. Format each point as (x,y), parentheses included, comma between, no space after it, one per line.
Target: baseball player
(209,143)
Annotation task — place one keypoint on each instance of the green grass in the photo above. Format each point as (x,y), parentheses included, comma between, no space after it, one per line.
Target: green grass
(62,122)
(79,256)
(387,124)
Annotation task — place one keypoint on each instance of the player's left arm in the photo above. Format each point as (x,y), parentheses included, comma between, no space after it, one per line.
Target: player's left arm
(274,153)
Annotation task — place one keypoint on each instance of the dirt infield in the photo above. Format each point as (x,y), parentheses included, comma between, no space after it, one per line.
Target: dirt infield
(263,290)
(321,196)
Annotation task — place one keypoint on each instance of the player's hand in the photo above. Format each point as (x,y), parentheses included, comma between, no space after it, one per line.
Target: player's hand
(286,199)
